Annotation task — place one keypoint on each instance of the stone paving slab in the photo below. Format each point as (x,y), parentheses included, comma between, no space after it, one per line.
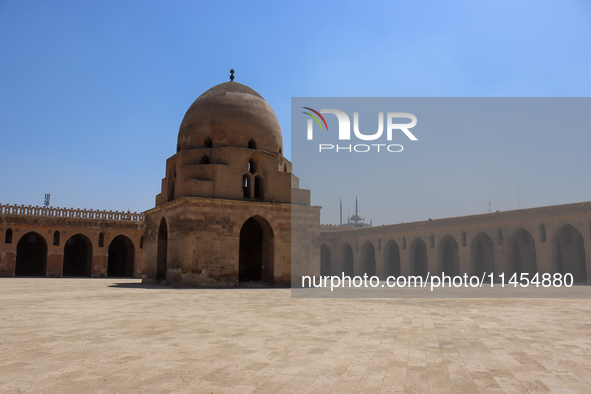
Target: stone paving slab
(118,335)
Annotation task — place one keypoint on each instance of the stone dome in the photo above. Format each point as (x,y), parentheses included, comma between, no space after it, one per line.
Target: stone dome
(356,218)
(230,114)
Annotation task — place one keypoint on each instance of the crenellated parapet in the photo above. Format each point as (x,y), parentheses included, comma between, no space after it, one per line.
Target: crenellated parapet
(9,210)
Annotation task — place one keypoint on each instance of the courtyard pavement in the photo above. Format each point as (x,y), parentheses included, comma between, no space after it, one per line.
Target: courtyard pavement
(121,336)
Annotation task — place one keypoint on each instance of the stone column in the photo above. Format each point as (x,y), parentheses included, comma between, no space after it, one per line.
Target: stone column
(55,264)
(587,244)
(100,262)
(380,266)
(7,259)
(433,261)
(405,263)
(464,260)
(544,258)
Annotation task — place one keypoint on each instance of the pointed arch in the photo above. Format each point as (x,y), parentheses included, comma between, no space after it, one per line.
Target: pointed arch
(392,259)
(482,253)
(449,261)
(77,256)
(348,261)
(120,262)
(162,251)
(569,253)
(369,259)
(522,253)
(418,258)
(31,255)
(256,251)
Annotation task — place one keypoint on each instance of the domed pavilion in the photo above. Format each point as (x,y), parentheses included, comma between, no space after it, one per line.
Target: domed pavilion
(224,213)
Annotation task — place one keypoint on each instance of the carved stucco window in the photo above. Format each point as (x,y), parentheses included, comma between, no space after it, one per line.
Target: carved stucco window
(542,233)
(56,238)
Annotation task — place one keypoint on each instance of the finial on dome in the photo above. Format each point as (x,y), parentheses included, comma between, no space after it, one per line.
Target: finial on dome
(232,74)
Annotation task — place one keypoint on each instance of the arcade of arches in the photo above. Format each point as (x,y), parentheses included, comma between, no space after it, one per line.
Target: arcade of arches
(46,243)
(554,239)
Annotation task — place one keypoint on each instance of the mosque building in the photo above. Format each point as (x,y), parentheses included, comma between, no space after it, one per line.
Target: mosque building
(231,212)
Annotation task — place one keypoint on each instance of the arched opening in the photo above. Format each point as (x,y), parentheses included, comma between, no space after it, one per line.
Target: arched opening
(392,262)
(258,188)
(142,242)
(56,238)
(369,257)
(280,151)
(284,167)
(121,257)
(204,160)
(348,263)
(77,256)
(252,166)
(31,255)
(101,241)
(252,144)
(246,185)
(162,253)
(449,261)
(569,255)
(325,263)
(256,258)
(208,143)
(542,233)
(8,236)
(523,254)
(419,258)
(482,255)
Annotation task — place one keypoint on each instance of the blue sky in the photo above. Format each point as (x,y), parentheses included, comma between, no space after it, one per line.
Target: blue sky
(92,93)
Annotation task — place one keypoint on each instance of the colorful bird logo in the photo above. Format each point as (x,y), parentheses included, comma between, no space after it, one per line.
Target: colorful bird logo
(315,118)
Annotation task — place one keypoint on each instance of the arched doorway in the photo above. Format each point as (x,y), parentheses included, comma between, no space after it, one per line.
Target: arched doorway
(348,263)
(449,261)
(77,256)
(162,253)
(392,262)
(523,254)
(256,258)
(369,258)
(325,263)
(121,257)
(569,255)
(31,255)
(482,255)
(419,258)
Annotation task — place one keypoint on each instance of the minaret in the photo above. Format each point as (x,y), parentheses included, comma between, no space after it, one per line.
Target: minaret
(355,205)
(341,214)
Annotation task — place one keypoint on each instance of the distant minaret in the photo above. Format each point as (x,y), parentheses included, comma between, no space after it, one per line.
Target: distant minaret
(355,205)
(341,214)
